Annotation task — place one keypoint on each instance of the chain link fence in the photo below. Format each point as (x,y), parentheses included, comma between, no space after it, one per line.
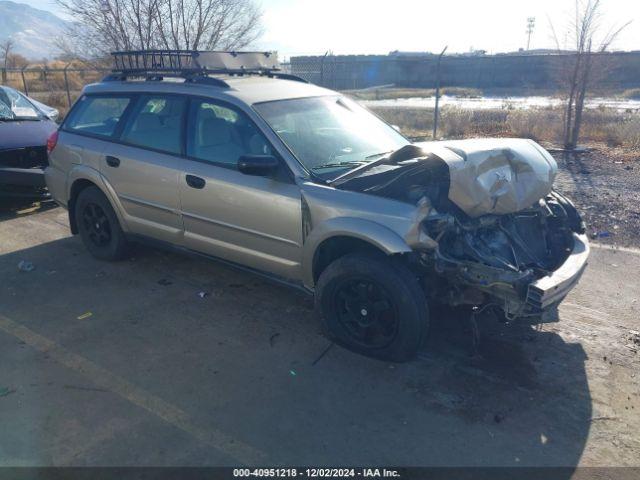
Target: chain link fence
(59,87)
(336,73)
(55,87)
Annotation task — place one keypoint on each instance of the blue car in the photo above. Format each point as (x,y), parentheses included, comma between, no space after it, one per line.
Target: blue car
(25,127)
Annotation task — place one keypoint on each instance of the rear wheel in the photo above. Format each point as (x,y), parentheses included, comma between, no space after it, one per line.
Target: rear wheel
(98,225)
(373,306)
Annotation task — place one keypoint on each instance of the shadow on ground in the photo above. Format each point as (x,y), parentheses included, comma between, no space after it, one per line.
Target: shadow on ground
(245,357)
(18,207)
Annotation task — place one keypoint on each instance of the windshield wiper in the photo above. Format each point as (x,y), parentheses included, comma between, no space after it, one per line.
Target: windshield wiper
(337,164)
(369,157)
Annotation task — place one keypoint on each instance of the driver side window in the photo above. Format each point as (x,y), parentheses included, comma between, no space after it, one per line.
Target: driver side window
(221,135)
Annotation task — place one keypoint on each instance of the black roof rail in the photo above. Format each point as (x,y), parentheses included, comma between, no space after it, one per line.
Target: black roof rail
(287,76)
(195,66)
(188,63)
(216,82)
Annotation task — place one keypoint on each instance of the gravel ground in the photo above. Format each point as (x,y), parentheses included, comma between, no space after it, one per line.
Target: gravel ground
(125,364)
(604,183)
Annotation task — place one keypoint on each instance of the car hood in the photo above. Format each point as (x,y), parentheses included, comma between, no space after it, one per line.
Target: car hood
(477,176)
(28,133)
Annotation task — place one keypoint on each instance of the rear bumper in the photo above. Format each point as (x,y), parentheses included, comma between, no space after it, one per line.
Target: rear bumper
(550,290)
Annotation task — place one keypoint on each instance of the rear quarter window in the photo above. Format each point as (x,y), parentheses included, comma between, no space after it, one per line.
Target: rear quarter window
(97,115)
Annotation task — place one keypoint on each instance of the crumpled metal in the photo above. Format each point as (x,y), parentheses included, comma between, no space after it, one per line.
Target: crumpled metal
(495,175)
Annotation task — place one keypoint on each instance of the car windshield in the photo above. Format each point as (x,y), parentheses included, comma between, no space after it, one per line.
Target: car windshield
(15,106)
(330,134)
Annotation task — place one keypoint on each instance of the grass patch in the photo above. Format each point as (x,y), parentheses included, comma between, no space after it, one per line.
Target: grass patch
(395,93)
(540,124)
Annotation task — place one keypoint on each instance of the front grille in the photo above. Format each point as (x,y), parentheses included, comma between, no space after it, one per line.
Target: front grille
(26,157)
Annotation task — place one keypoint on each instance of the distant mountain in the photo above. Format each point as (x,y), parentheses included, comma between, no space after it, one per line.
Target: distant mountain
(32,30)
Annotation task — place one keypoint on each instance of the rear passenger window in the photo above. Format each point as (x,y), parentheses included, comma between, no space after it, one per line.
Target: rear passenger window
(97,115)
(156,123)
(219,134)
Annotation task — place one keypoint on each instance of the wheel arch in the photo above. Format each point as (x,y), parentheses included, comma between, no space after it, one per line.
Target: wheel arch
(84,177)
(339,236)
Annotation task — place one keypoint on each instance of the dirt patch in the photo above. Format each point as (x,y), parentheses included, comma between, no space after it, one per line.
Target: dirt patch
(604,183)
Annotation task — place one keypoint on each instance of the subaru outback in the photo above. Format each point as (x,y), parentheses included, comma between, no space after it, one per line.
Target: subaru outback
(224,155)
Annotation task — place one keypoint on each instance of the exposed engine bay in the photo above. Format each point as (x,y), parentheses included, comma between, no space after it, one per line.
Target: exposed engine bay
(488,223)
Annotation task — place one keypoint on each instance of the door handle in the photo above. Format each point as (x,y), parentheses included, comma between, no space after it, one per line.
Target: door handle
(113,161)
(195,182)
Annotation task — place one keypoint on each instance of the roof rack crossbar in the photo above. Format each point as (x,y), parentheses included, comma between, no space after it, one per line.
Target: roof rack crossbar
(190,62)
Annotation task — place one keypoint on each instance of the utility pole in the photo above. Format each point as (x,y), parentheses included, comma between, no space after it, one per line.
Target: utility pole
(435,112)
(531,24)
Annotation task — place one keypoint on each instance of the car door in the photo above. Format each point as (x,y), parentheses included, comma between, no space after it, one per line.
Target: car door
(145,165)
(251,220)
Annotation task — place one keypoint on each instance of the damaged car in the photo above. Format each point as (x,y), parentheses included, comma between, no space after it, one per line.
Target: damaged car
(286,179)
(25,126)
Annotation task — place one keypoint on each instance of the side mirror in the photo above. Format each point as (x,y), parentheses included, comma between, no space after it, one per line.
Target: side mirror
(259,165)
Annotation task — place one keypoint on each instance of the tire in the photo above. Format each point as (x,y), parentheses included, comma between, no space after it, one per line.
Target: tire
(373,306)
(98,225)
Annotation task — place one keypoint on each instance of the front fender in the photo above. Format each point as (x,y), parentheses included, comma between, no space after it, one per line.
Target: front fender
(371,232)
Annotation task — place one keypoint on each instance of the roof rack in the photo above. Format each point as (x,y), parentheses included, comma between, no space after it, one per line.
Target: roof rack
(194,65)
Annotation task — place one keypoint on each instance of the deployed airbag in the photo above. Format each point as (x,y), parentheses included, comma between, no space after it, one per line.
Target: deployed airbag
(495,175)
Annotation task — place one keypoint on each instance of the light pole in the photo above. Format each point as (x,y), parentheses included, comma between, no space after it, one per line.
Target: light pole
(435,112)
(531,24)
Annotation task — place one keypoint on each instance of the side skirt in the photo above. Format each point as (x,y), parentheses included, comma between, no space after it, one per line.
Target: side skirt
(142,239)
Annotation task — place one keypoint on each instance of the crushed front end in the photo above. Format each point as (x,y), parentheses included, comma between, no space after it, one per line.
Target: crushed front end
(525,262)
(489,229)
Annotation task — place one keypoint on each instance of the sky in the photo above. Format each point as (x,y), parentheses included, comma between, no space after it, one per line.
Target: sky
(313,27)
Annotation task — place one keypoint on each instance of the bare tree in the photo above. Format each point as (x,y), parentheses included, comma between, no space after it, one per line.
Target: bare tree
(106,25)
(587,65)
(5,49)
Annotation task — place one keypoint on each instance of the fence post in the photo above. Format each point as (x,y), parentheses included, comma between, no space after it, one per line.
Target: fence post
(435,112)
(24,82)
(4,75)
(322,69)
(66,84)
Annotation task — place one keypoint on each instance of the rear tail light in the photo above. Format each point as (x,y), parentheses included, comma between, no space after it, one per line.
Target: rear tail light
(52,142)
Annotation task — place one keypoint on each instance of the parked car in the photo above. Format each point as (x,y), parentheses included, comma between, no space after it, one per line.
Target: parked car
(303,184)
(25,126)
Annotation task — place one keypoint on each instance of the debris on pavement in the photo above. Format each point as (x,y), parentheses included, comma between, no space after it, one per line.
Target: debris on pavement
(4,391)
(25,266)
(293,373)
(202,294)
(272,338)
(324,352)
(85,316)
(634,340)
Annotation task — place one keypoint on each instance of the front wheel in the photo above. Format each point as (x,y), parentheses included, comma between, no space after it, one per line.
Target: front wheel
(373,306)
